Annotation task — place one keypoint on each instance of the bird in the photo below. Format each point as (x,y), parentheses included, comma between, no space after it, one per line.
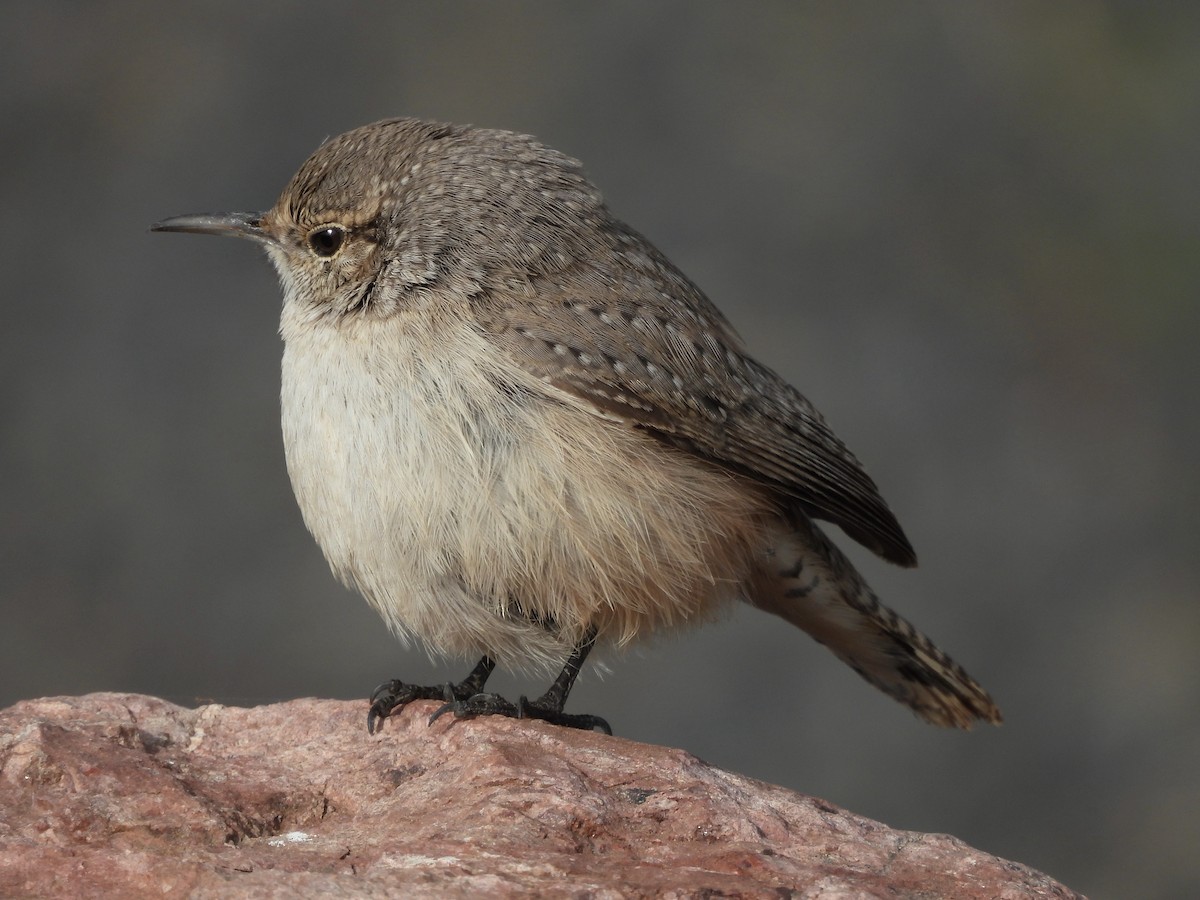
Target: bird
(520,431)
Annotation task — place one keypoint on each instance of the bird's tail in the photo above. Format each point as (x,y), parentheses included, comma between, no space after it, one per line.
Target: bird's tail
(811,584)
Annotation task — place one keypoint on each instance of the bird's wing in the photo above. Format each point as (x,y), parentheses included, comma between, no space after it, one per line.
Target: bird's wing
(645,346)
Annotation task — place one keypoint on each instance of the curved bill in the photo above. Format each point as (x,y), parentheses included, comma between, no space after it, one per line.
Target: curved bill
(242,225)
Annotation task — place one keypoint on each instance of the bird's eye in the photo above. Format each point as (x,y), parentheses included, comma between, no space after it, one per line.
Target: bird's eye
(327,240)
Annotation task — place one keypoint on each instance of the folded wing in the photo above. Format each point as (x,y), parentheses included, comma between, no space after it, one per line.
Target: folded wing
(645,346)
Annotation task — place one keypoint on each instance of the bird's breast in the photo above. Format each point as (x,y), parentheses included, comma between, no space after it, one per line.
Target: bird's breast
(393,432)
(469,503)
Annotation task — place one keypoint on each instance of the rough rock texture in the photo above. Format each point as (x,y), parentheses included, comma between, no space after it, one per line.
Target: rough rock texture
(130,796)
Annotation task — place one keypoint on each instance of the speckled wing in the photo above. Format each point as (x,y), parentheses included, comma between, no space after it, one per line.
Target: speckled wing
(643,344)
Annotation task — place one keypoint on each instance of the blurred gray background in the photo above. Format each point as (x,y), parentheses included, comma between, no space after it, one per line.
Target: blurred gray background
(968,232)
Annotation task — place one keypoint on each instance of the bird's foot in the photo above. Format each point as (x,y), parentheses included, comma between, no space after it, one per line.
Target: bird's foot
(394,694)
(467,698)
(495,705)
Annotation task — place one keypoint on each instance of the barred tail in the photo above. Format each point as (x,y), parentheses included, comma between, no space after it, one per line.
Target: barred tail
(811,584)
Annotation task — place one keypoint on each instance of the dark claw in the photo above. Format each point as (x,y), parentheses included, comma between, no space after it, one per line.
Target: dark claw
(394,694)
(391,695)
(478,705)
(527,709)
(495,705)
(466,699)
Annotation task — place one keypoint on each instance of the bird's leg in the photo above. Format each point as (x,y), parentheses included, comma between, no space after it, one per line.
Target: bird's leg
(548,707)
(393,694)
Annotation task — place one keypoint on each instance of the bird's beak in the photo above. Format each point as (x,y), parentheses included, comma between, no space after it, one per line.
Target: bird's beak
(242,225)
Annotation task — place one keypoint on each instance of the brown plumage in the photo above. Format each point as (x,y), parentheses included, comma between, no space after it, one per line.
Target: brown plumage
(518,429)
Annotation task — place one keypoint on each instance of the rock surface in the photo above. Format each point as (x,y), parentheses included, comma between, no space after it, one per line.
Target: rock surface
(131,796)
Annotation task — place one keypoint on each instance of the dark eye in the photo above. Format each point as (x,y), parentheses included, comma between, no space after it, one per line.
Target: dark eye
(327,240)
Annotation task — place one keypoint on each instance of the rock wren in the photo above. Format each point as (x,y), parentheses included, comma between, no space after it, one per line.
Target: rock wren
(518,430)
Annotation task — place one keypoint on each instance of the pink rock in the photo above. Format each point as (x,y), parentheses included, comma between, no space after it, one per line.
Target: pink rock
(131,796)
